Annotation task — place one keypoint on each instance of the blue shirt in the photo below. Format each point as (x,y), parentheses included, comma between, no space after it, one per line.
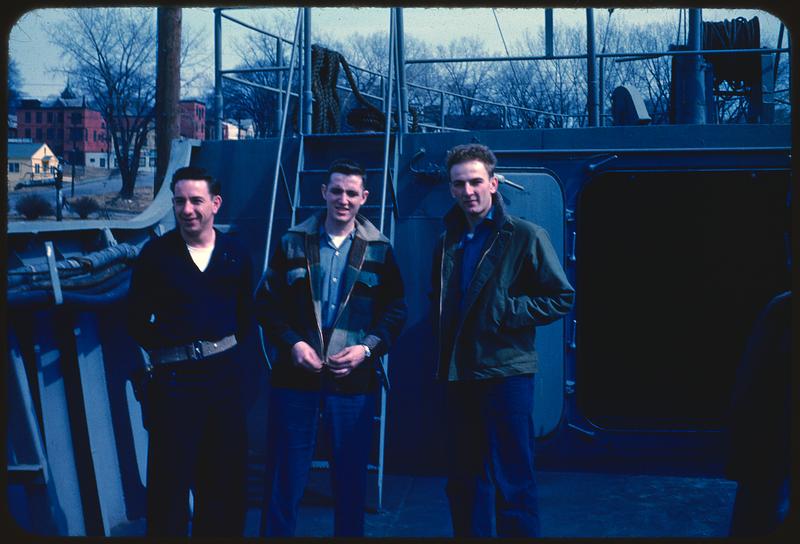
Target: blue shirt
(472,244)
(333,262)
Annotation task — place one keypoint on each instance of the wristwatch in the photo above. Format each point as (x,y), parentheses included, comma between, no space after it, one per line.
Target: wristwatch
(367,351)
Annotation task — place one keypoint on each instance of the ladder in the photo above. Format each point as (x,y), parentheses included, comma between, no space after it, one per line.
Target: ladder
(315,153)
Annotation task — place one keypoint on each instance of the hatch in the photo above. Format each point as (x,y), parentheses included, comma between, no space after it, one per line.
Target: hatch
(539,198)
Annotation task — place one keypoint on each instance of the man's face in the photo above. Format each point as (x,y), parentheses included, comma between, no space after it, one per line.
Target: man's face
(344,195)
(194,207)
(472,188)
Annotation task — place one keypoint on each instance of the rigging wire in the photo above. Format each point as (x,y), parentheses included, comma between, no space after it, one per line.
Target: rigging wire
(505,46)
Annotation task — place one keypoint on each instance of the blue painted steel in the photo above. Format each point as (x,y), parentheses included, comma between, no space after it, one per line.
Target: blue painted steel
(36,510)
(56,425)
(99,423)
(542,202)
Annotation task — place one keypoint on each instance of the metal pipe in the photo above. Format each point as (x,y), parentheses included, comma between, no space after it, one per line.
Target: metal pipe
(548,32)
(255,70)
(308,97)
(218,105)
(494,59)
(388,112)
(694,110)
(601,90)
(250,27)
(279,78)
(593,150)
(441,112)
(777,59)
(591,69)
(401,71)
(260,86)
(297,27)
(598,55)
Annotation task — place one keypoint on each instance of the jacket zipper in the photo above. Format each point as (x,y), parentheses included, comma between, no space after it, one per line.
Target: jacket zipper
(316,321)
(455,336)
(347,296)
(441,304)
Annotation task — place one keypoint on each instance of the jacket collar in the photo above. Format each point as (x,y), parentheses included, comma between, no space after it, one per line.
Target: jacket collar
(364,228)
(455,221)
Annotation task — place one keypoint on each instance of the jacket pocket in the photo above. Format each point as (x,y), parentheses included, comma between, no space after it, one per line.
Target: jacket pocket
(370,279)
(295,274)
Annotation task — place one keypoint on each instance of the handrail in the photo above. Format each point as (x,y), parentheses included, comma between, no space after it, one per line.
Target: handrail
(483,101)
(271,220)
(578,56)
(388,112)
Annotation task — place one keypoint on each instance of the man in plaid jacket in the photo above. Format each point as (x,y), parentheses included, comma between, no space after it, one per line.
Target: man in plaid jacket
(331,304)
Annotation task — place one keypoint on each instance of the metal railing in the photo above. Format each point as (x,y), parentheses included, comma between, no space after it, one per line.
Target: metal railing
(507,109)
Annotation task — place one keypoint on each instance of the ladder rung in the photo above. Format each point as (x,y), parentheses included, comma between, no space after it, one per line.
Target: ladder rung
(325,171)
(22,474)
(20,469)
(319,464)
(321,207)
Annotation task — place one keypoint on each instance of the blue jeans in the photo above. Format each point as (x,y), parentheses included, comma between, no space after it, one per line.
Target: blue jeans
(490,442)
(293,416)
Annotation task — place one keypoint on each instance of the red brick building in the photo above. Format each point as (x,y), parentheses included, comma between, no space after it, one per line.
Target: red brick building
(70,128)
(78,134)
(193,119)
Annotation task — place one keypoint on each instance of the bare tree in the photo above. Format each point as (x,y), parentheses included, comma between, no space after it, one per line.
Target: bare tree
(14,84)
(112,59)
(110,55)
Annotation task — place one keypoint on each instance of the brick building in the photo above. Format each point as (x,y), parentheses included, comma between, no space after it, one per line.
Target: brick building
(193,119)
(74,131)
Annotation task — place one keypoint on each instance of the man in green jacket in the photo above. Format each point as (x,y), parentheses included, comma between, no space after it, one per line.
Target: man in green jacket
(495,279)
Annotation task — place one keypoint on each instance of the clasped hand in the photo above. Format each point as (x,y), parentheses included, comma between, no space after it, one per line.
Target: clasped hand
(340,364)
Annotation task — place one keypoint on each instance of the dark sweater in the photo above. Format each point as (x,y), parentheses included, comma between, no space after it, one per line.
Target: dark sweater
(188,304)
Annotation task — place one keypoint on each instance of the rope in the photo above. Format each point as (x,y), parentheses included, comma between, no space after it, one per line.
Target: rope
(325,74)
(736,34)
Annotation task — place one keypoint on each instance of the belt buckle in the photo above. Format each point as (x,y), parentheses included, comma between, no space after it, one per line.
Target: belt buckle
(197,350)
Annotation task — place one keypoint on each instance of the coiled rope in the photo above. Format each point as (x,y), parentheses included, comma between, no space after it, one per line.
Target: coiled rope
(736,34)
(324,76)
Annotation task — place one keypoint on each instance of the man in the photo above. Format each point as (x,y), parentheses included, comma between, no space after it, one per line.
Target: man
(760,427)
(190,307)
(495,278)
(331,304)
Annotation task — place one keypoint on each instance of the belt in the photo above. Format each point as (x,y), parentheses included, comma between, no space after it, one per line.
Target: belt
(199,349)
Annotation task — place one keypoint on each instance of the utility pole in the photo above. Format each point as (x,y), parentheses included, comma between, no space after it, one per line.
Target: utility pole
(168,88)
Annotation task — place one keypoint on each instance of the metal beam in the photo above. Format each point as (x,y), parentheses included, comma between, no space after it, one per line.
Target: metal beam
(308,98)
(218,73)
(548,32)
(591,69)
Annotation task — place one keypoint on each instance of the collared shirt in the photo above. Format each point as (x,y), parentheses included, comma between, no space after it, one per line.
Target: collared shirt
(472,246)
(333,263)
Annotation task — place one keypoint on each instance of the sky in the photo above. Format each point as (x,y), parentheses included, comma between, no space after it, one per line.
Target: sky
(39,62)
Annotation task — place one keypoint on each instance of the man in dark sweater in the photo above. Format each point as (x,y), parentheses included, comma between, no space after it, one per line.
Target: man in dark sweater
(332,305)
(190,305)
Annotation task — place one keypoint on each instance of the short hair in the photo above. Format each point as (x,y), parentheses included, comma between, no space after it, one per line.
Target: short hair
(472,152)
(347,167)
(196,172)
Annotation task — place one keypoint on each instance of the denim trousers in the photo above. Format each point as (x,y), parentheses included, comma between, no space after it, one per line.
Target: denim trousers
(291,437)
(197,442)
(490,446)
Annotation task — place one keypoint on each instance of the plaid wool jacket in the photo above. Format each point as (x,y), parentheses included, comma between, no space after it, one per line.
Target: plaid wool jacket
(372,310)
